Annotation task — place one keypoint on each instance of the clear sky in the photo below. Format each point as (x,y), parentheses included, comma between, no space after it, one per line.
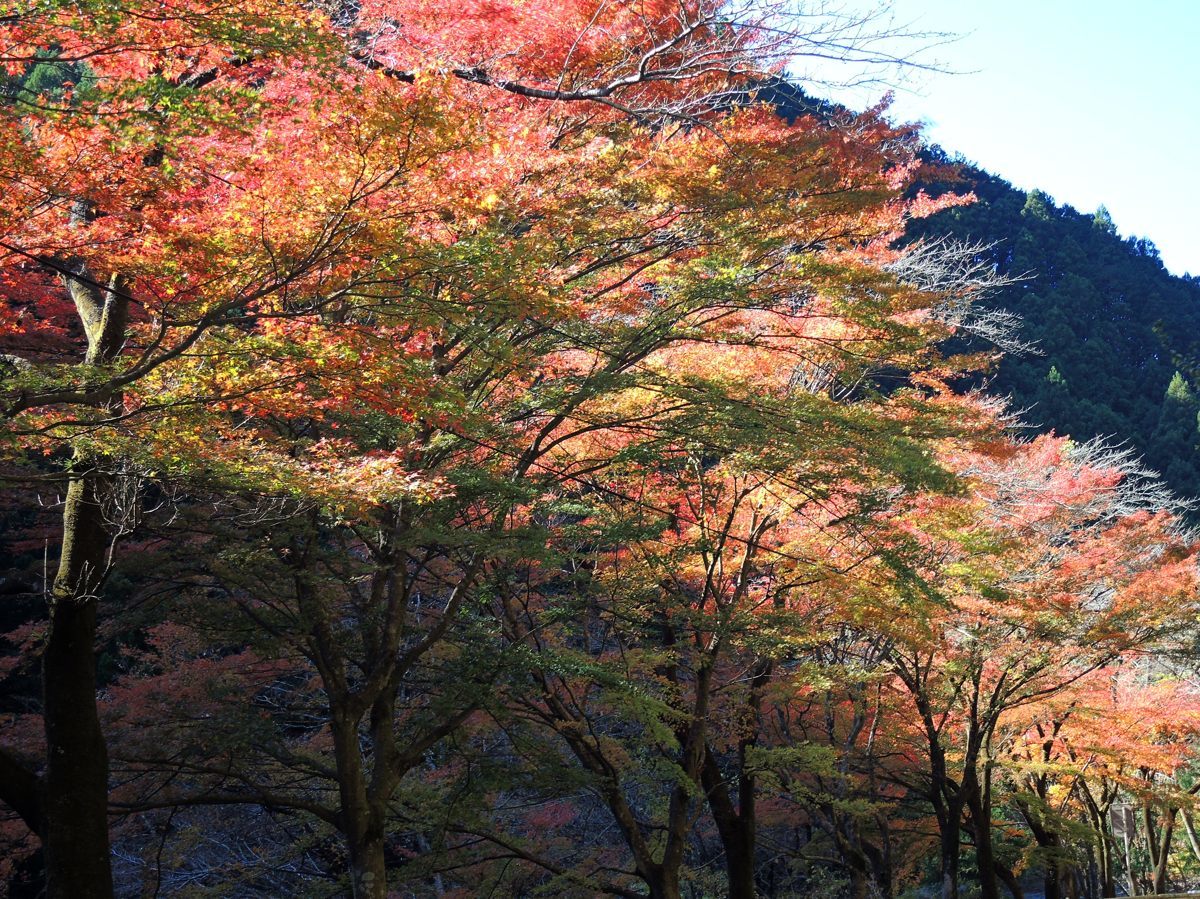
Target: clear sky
(1093,101)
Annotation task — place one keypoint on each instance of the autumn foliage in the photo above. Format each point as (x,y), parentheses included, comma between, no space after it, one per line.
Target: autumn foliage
(486,449)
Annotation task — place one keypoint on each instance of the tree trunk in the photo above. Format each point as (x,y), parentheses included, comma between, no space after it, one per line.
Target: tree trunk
(368,868)
(1099,814)
(75,787)
(1164,853)
(981,817)
(1190,830)
(859,884)
(663,882)
(1104,869)
(1009,879)
(881,859)
(950,857)
(361,828)
(949,820)
(1056,872)
(1052,881)
(991,871)
(734,826)
(739,863)
(75,799)
(1133,890)
(1158,845)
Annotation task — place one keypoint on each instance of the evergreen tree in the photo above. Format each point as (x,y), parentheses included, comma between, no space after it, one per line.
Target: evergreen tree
(1114,332)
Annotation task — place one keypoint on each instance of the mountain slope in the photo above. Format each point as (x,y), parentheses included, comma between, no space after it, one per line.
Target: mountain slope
(1118,335)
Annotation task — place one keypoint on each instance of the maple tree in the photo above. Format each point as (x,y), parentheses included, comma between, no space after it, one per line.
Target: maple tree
(1071,567)
(513,394)
(608,381)
(1075,777)
(198,196)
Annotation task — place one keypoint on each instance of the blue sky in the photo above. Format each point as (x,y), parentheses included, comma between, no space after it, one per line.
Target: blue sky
(1093,101)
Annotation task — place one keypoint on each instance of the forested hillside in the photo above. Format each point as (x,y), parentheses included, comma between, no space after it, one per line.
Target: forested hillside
(1115,336)
(1112,339)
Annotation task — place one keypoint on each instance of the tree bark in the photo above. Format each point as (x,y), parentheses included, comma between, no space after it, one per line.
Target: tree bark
(75,787)
(1104,864)
(361,827)
(881,859)
(1049,842)
(75,795)
(735,827)
(1133,890)
(1010,881)
(949,867)
(1162,852)
(979,806)
(21,789)
(1099,810)
(664,883)
(368,868)
(1190,829)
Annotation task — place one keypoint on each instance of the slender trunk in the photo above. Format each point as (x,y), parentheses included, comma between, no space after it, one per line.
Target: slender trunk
(859,884)
(1133,890)
(693,746)
(1104,869)
(1164,853)
(1049,843)
(857,866)
(949,819)
(979,805)
(881,859)
(992,872)
(737,838)
(1052,881)
(735,827)
(1190,829)
(75,788)
(1057,872)
(1158,844)
(361,828)
(1099,813)
(664,883)
(739,868)
(1092,881)
(1009,879)
(1151,833)
(947,804)
(75,798)
(368,870)
(950,858)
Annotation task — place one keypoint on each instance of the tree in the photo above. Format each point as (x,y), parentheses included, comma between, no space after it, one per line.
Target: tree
(1070,564)
(1115,747)
(507,413)
(1175,435)
(209,206)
